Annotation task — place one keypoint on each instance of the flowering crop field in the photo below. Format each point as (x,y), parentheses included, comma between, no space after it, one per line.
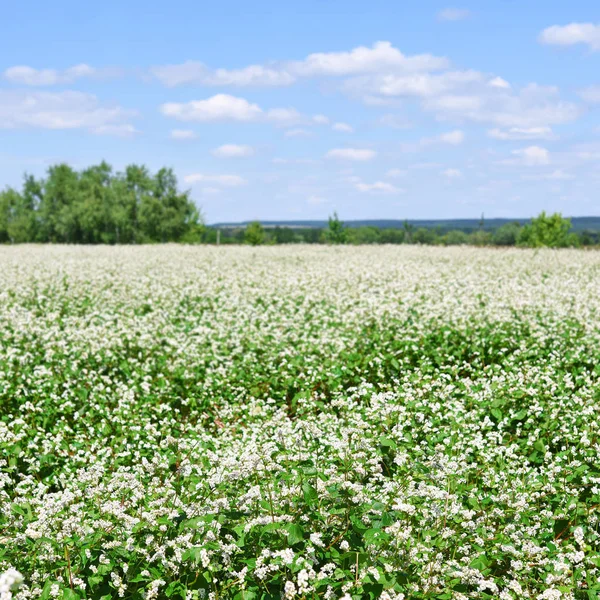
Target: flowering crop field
(299,422)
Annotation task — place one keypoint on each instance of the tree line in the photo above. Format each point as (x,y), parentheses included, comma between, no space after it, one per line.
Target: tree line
(552,231)
(100,206)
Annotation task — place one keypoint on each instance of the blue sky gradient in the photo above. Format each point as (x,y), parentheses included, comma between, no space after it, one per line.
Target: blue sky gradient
(280,110)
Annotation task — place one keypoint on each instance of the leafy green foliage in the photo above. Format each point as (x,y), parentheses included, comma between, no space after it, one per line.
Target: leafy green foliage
(192,423)
(551,231)
(96,206)
(254,234)
(336,232)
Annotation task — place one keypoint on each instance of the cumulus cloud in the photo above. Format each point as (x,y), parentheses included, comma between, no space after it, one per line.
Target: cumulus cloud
(292,133)
(126,130)
(320,119)
(591,94)
(574,33)
(453,14)
(394,173)
(233,151)
(378,187)
(533,156)
(342,127)
(25,75)
(355,154)
(382,56)
(533,106)
(498,82)
(522,133)
(183,134)
(224,180)
(284,116)
(63,110)
(452,173)
(293,161)
(454,138)
(221,107)
(193,72)
(418,85)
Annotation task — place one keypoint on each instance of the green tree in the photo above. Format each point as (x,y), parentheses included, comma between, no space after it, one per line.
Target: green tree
(254,234)
(57,214)
(456,237)
(550,231)
(409,230)
(336,232)
(507,234)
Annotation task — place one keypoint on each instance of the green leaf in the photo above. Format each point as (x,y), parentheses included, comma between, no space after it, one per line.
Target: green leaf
(69,594)
(295,534)
(387,443)
(310,494)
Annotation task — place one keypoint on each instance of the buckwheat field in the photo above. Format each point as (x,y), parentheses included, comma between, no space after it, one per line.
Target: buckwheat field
(294,422)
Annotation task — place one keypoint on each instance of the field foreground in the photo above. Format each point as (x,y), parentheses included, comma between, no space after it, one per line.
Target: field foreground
(300,422)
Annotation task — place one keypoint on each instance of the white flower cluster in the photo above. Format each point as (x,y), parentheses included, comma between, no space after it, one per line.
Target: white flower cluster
(10,582)
(393,422)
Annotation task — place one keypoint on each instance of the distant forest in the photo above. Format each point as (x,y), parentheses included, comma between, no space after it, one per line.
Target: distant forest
(100,206)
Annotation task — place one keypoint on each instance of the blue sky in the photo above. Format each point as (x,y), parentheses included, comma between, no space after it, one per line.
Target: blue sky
(289,110)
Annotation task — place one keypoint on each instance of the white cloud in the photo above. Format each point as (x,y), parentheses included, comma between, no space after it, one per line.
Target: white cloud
(25,75)
(356,154)
(183,134)
(452,137)
(221,107)
(125,130)
(284,116)
(379,187)
(452,173)
(591,94)
(224,107)
(453,14)
(293,161)
(291,133)
(394,173)
(62,110)
(342,127)
(316,200)
(193,72)
(380,57)
(574,33)
(533,156)
(224,180)
(533,106)
(252,75)
(320,120)
(233,151)
(522,133)
(498,82)
(420,85)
